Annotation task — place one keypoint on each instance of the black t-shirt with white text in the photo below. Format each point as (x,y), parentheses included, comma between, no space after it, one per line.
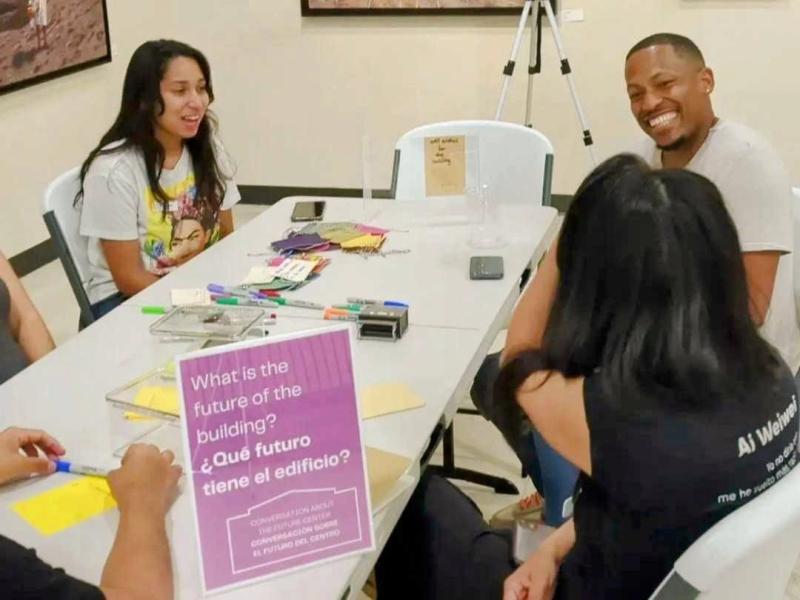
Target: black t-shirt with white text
(662,476)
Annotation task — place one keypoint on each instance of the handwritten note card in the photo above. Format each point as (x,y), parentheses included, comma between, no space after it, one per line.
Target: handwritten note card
(445,166)
(295,270)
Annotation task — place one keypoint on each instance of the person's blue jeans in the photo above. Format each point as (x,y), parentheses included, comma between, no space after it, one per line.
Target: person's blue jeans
(553,476)
(106,305)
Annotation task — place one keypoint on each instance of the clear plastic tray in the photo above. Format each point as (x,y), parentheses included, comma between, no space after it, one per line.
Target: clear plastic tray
(211,322)
(154,394)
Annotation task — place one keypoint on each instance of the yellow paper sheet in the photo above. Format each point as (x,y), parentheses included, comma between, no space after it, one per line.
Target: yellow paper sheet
(445,166)
(363,241)
(383,471)
(387,398)
(66,506)
(157,397)
(340,237)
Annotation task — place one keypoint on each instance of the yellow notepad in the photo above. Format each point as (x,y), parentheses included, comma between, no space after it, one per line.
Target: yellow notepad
(383,471)
(157,397)
(387,398)
(66,506)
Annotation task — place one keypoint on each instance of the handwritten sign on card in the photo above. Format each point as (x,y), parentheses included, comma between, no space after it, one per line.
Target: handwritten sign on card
(445,166)
(278,472)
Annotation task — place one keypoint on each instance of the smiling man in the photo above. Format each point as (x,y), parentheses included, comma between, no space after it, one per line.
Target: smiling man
(669,87)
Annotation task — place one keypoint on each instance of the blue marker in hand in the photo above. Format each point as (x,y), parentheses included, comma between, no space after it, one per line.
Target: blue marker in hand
(65,466)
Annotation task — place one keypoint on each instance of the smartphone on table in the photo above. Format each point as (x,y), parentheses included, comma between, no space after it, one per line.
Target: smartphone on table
(486,267)
(308,210)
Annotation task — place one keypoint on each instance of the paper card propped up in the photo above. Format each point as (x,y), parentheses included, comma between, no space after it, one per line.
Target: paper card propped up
(285,461)
(387,398)
(67,505)
(445,165)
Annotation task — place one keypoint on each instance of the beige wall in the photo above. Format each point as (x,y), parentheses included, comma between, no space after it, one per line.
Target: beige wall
(295,96)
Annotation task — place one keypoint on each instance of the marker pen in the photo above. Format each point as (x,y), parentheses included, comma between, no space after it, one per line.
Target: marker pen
(298,303)
(339,315)
(154,310)
(349,307)
(395,303)
(239,301)
(221,289)
(65,466)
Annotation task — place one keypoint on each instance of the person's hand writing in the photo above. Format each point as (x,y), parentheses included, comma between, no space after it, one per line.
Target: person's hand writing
(535,579)
(147,480)
(26,452)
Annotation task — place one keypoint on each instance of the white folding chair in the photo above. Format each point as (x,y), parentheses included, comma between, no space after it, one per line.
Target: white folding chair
(516,162)
(63,220)
(749,554)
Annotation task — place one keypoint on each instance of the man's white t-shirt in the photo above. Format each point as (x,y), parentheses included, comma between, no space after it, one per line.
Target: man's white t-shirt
(758,195)
(118,204)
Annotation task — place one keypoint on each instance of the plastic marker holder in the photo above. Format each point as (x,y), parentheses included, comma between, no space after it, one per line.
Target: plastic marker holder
(65,466)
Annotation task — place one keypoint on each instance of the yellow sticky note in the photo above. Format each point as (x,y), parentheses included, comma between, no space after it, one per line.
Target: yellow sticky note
(383,471)
(367,240)
(66,506)
(168,370)
(387,398)
(445,166)
(157,397)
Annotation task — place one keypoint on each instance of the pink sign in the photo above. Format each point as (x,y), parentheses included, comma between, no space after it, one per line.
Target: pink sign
(273,440)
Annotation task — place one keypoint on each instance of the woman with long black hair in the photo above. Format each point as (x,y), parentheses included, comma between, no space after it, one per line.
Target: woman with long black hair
(652,380)
(158,164)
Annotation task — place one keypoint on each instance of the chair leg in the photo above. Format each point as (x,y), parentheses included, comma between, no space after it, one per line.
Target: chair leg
(451,471)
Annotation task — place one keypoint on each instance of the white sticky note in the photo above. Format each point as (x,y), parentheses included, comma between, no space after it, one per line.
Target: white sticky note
(190,297)
(295,269)
(260,275)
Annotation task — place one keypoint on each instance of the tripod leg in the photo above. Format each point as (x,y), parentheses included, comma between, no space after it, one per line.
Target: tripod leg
(535,59)
(567,71)
(508,70)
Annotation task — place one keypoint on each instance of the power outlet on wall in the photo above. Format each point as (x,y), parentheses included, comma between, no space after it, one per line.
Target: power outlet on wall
(572,15)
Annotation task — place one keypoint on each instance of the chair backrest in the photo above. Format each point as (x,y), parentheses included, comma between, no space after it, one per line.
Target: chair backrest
(748,554)
(796,262)
(63,222)
(516,162)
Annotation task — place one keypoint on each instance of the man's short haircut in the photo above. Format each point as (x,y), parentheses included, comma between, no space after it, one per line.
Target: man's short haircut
(681,44)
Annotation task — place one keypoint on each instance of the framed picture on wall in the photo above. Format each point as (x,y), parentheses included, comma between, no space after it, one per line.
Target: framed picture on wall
(42,39)
(411,7)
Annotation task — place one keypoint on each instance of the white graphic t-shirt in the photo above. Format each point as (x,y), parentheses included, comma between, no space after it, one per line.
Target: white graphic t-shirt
(118,204)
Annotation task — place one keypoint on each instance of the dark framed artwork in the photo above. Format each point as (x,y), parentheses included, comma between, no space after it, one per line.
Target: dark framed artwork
(411,7)
(42,39)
